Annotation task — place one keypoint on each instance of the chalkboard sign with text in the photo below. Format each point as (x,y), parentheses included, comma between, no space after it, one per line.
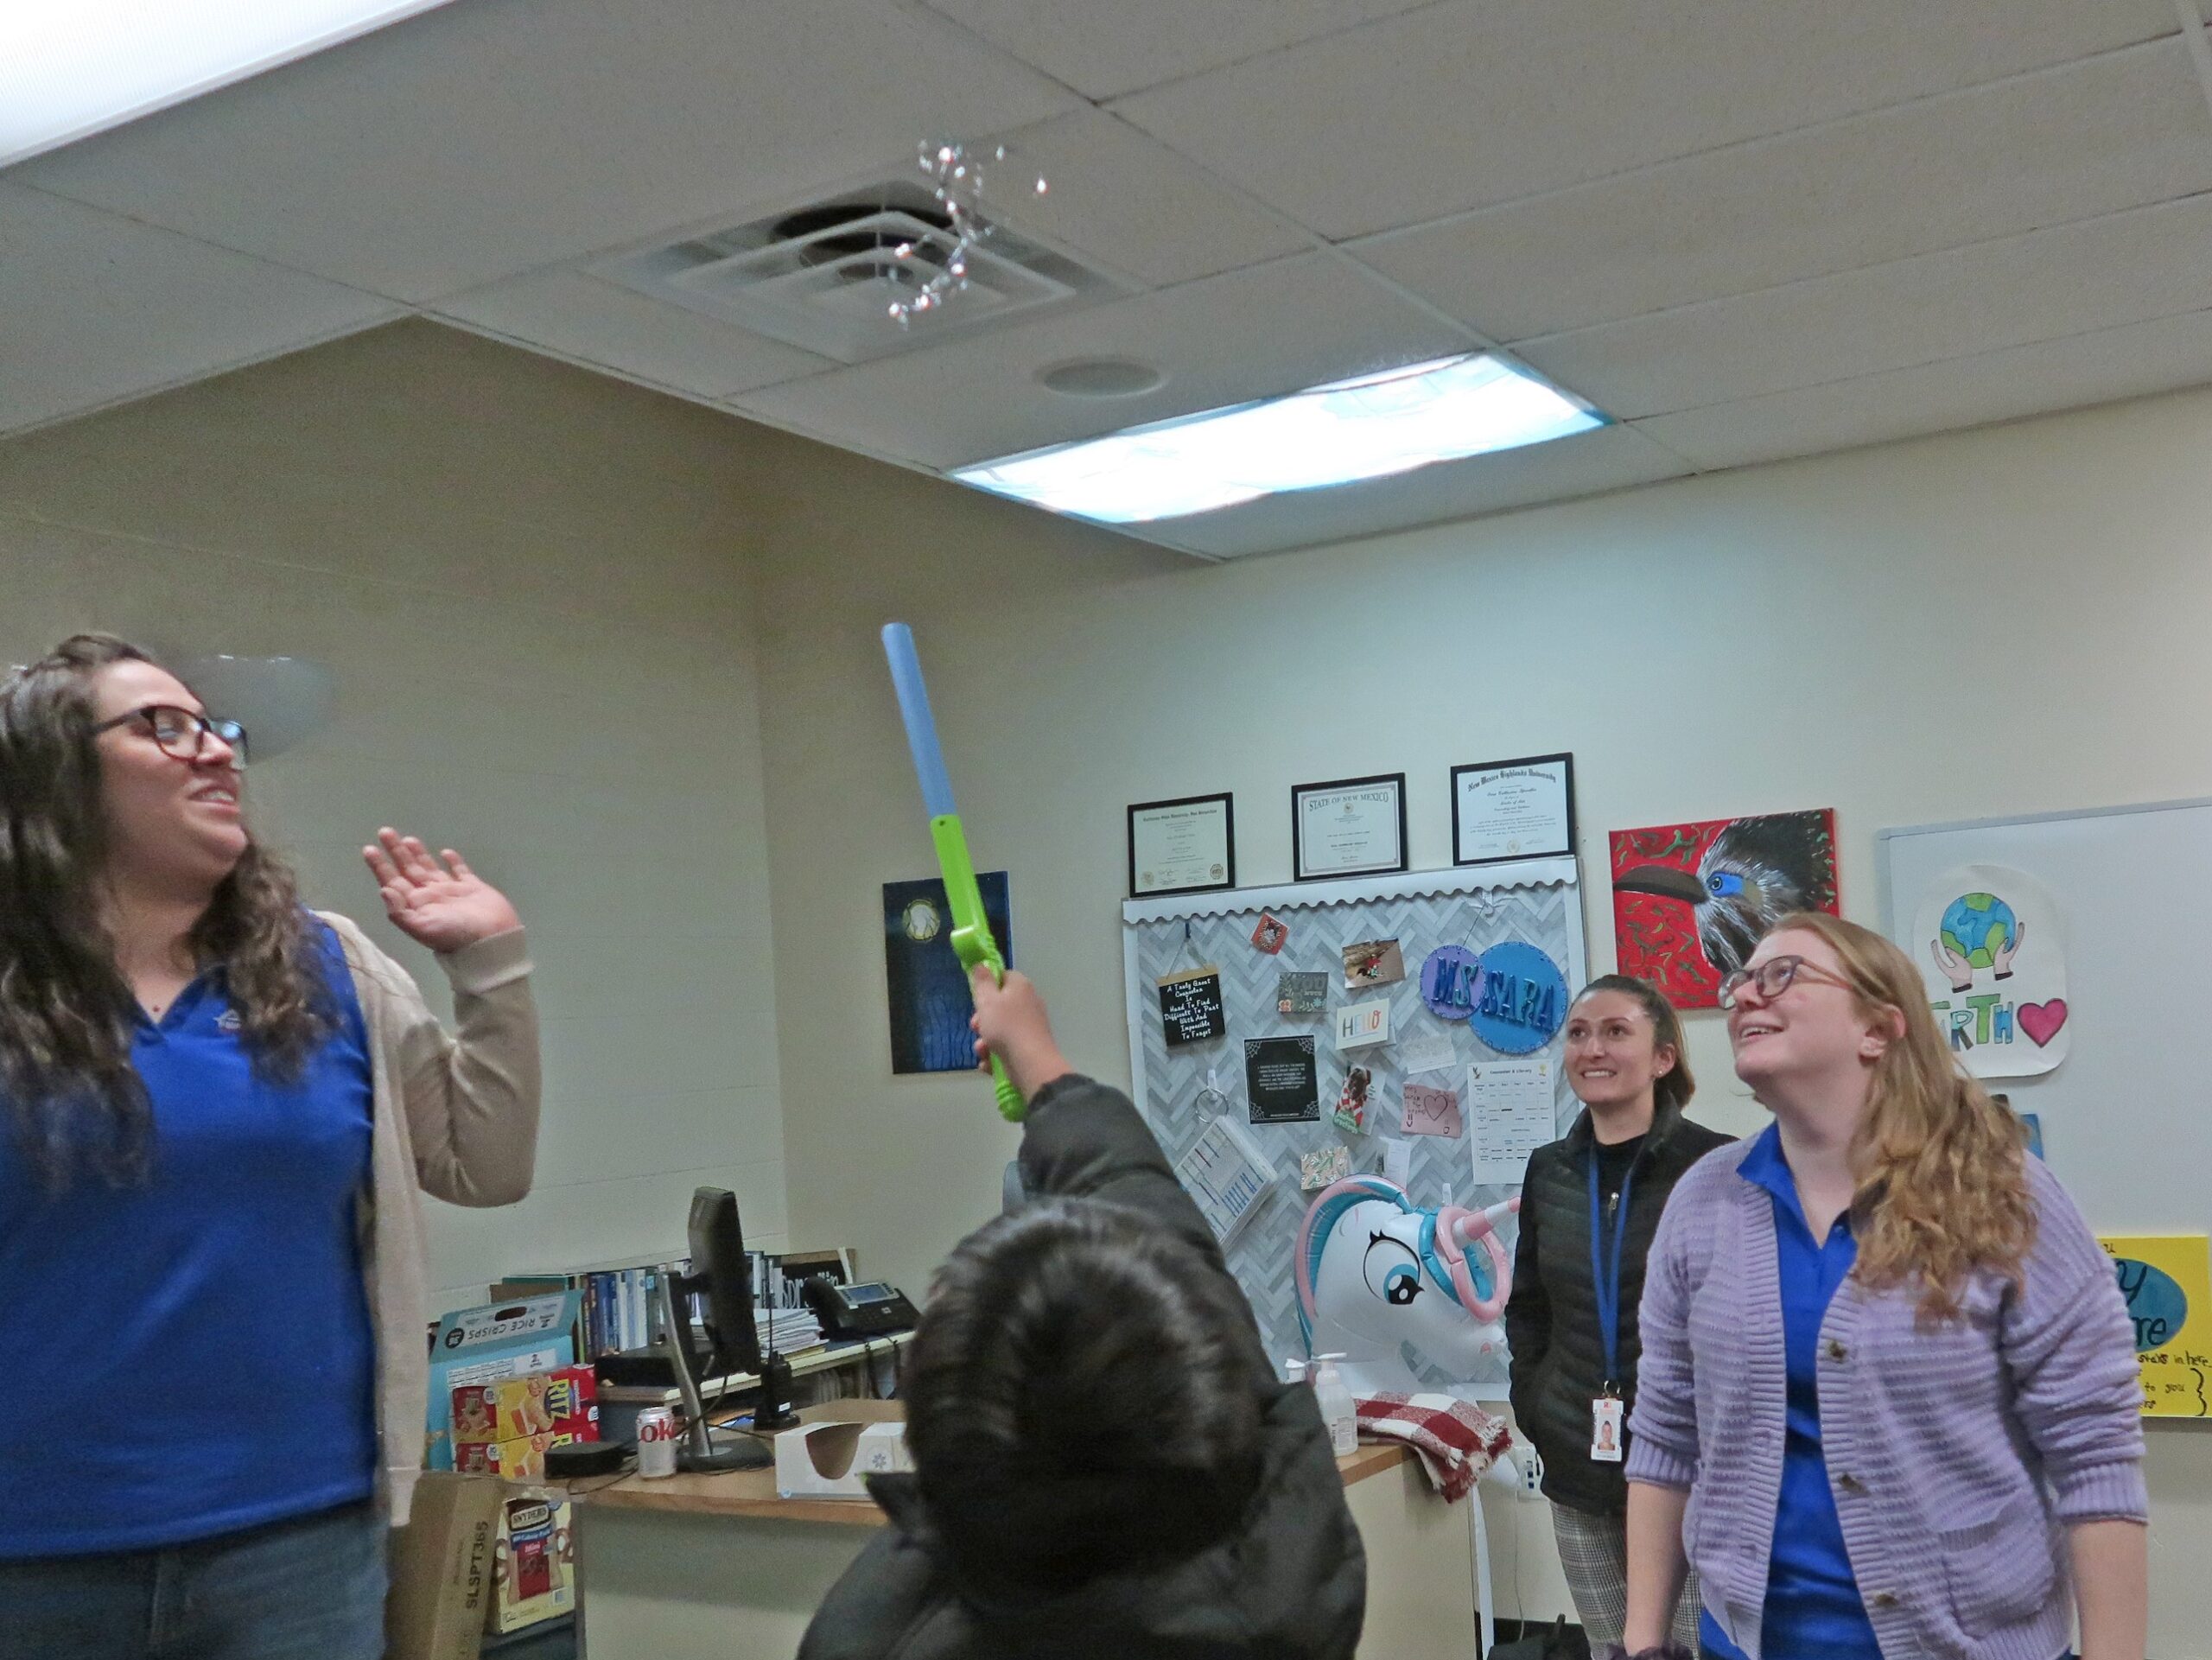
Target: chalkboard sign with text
(1191,1007)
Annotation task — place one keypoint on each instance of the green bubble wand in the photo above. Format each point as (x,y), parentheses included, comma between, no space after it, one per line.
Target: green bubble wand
(971,929)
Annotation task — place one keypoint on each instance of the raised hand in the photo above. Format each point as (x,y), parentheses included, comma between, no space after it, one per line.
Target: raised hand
(445,906)
(1010,1022)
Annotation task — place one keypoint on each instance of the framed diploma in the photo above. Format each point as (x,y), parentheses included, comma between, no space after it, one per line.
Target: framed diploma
(1185,846)
(1520,808)
(1348,827)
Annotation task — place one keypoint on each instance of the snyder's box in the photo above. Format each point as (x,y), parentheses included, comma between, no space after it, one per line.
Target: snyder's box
(832,1458)
(534,1557)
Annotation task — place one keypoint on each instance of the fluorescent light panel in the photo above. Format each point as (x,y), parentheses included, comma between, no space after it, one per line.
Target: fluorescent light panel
(69,68)
(1367,427)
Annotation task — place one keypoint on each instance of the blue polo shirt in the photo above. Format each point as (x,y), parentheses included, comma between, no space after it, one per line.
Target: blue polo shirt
(193,1355)
(1812,1607)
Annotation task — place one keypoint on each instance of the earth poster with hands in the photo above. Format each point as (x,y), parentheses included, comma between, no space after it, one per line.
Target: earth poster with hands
(1992,949)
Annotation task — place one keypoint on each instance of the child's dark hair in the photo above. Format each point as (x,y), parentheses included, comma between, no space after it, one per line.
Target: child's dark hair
(1083,1396)
(1674,1088)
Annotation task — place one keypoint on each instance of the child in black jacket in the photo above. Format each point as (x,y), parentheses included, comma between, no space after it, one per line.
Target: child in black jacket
(1105,1463)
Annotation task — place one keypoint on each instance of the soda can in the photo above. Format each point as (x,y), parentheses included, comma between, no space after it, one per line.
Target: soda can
(656,1443)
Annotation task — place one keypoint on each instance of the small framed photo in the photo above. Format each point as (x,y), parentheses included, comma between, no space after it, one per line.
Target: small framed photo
(1520,809)
(1348,827)
(1183,846)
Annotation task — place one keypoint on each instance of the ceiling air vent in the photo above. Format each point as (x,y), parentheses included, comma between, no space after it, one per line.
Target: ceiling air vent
(823,276)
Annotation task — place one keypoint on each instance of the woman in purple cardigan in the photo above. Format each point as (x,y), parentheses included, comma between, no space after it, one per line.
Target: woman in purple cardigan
(1889,1404)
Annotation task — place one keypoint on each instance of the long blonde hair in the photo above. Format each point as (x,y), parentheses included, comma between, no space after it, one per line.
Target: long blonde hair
(1942,1178)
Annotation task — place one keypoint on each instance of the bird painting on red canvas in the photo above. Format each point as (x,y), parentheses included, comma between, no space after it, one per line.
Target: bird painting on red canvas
(1690,901)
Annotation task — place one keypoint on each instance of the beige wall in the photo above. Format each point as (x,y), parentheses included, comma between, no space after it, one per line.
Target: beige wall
(528,581)
(2007,621)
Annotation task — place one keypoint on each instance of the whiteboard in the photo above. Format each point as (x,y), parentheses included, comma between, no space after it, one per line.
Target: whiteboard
(2128,1119)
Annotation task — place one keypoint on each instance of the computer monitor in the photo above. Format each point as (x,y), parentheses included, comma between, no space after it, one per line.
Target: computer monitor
(720,1270)
(720,1267)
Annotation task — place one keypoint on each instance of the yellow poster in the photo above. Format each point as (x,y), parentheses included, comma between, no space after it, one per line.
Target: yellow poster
(2167,1280)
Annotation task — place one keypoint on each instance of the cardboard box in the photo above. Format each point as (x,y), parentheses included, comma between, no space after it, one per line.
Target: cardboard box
(488,1345)
(831,1457)
(441,1570)
(564,1403)
(534,1559)
(522,1459)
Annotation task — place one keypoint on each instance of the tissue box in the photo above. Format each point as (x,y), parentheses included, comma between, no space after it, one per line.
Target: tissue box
(829,1458)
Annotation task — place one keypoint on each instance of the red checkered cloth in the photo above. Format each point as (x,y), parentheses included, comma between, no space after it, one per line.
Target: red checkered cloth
(1457,1439)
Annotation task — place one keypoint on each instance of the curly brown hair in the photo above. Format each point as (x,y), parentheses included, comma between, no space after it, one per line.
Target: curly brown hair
(1942,1177)
(77,1104)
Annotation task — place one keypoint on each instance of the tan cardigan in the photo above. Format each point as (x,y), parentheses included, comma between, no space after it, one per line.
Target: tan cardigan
(453,1117)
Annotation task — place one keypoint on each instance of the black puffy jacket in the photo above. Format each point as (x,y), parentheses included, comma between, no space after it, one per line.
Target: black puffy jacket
(1551,1320)
(1290,1584)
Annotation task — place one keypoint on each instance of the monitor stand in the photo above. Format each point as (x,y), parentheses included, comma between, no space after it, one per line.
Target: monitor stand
(704,1451)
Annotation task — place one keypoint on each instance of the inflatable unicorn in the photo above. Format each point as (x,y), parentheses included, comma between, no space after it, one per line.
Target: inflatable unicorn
(1376,1274)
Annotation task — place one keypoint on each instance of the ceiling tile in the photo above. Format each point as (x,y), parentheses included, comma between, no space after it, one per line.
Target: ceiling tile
(99,309)
(1107,48)
(1610,458)
(2117,131)
(1251,333)
(596,323)
(482,140)
(2131,361)
(2124,268)
(1132,205)
(1475,101)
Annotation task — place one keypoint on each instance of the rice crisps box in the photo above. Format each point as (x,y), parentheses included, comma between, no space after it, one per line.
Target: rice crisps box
(488,1344)
(832,1458)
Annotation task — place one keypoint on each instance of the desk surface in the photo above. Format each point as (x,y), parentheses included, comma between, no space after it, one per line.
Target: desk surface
(752,1492)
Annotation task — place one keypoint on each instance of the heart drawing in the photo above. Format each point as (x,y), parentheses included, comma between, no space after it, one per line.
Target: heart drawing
(2042,1020)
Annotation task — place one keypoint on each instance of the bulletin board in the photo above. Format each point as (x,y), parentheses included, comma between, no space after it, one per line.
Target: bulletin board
(1536,901)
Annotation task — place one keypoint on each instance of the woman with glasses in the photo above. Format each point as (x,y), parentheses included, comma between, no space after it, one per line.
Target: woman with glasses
(1889,1404)
(1589,1205)
(216,1110)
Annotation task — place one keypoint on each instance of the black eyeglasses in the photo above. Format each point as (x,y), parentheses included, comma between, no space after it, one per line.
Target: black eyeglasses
(1773,976)
(180,733)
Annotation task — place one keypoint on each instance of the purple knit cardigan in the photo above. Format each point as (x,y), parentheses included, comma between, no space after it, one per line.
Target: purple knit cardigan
(1958,1454)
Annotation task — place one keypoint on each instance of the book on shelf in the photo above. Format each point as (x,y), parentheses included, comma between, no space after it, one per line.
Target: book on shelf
(618,1311)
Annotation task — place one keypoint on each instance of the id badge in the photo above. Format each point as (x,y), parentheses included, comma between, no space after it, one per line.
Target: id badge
(1608,1420)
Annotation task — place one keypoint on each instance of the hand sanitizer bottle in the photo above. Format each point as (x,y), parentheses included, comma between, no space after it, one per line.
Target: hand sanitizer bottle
(1335,1400)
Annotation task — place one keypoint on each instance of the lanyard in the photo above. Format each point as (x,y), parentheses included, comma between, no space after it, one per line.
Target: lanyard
(1605,1279)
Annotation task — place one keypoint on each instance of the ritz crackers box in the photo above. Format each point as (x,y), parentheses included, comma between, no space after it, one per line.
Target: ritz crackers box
(503,1429)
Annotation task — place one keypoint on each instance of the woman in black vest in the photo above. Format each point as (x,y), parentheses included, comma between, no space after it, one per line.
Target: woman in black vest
(1590,1204)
